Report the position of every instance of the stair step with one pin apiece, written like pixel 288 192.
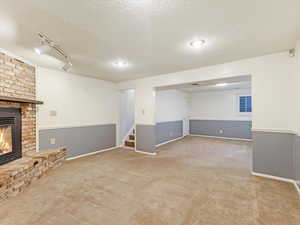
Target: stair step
pixel 130 144
pixel 131 137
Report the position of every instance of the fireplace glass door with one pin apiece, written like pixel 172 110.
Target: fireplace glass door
pixel 10 135
pixel 6 139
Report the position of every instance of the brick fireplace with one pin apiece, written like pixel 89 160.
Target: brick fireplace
pixel 18 81
pixel 21 163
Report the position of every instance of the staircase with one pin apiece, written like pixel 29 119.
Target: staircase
pixel 130 142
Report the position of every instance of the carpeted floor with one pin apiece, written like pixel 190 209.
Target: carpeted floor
pixel 192 181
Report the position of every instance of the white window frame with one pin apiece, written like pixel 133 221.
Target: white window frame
pixel 238 105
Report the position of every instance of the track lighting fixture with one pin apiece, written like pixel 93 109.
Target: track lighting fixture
pixel 292 52
pixel 47 44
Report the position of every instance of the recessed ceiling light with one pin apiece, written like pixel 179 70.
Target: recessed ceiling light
pixel 197 43
pixel 221 85
pixel 42 49
pixel 120 64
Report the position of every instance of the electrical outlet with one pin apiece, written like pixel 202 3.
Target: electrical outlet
pixel 221 131
pixel 52 141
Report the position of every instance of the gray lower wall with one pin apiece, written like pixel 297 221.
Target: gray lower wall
pixel 297 159
pixel 145 138
pixel 167 131
pixel 230 128
pixel 273 153
pixel 79 140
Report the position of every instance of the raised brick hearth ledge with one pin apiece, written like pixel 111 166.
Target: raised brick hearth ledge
pixel 17 175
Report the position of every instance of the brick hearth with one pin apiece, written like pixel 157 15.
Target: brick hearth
pixel 17 175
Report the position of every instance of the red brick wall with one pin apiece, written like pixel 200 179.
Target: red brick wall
pixel 17 79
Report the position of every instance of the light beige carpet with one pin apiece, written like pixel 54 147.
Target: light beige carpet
pixel 190 182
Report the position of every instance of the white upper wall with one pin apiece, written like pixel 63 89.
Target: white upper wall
pixel 217 105
pixel 171 105
pixel 144 104
pixel 273 87
pixel 76 100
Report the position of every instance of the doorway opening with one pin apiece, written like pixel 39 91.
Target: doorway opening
pixel 219 108
pixel 127 119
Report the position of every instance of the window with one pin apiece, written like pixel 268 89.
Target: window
pixel 245 104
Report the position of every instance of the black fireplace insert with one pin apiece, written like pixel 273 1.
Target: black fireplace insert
pixel 10 135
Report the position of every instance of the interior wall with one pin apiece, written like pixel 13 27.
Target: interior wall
pixel 171 105
pixel 79 112
pixel 171 114
pixel 296 156
pixel 76 100
pixel 297 118
pixel 210 113
pixel 144 103
pixel 144 118
pixel 217 105
pixel 127 99
pixel 215 113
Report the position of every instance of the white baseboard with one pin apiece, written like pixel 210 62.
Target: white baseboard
pixel 146 153
pixel 297 187
pixel 93 153
pixel 272 177
pixel 226 138
pixel 277 178
pixel 176 139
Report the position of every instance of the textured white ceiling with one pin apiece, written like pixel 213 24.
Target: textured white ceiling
pixel 152 35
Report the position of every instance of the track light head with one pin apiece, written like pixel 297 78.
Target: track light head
pixel 292 52
pixel 67 66
pixel 42 49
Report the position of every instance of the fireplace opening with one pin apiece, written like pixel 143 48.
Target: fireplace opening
pixel 10 135
pixel 5 139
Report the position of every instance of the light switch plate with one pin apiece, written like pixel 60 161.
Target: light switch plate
pixel 53 113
